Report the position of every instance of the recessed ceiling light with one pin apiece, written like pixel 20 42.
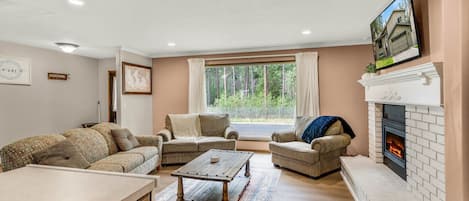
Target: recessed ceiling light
pixel 67 47
pixel 76 2
pixel 171 44
pixel 306 32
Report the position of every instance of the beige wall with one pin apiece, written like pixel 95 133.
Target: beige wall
pixel 105 65
pixel 48 106
pixel 134 111
pixel 340 94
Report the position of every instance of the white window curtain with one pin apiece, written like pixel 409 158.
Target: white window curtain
pixel 197 98
pixel 307 84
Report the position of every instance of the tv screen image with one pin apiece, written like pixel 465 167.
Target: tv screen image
pixel 395 35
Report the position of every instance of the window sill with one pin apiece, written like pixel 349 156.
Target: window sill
pixel 255 138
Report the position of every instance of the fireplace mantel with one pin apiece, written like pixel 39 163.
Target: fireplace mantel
pixel 418 85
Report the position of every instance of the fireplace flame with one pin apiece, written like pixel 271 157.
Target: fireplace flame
pixel 396 150
pixel 395 145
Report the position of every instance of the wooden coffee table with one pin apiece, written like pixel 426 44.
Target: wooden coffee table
pixel 225 170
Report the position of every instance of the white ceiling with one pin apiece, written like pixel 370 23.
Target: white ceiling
pixel 100 27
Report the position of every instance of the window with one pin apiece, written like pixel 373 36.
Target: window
pixel 260 98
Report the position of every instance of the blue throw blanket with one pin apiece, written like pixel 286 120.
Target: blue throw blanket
pixel 318 127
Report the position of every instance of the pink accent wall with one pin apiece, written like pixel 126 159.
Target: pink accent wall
pixel 340 93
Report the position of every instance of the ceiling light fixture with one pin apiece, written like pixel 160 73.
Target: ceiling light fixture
pixel 171 44
pixel 76 2
pixel 67 47
pixel 306 32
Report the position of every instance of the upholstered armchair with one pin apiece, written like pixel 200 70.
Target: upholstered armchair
pixel 314 159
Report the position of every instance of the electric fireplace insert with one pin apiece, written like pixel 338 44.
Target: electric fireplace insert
pixel 394 147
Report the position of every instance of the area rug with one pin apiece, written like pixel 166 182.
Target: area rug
pixel 260 188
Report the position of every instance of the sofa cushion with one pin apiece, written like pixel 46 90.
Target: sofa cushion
pixel 89 142
pixel 124 139
pixel 214 124
pixel 19 153
pixel 185 125
pixel 180 145
pixel 301 124
pixel 105 130
pixel 63 154
pixel 207 143
pixel 108 167
pixel 128 161
pixel 147 152
pixel 296 150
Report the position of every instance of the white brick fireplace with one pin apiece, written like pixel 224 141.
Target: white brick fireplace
pixel 419 90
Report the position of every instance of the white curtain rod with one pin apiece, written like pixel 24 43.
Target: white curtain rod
pixel 250 57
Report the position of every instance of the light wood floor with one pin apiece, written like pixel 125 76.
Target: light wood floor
pixel 292 186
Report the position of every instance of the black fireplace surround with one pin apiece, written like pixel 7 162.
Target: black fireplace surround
pixel 394 149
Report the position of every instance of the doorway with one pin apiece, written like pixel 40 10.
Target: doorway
pixel 112 96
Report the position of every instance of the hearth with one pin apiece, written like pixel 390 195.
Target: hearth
pixel 394 146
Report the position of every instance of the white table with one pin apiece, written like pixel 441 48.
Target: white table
pixel 47 183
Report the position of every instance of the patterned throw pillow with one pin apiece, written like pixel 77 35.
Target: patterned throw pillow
pixel 63 154
pixel 124 139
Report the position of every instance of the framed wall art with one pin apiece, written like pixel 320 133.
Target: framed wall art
pixel 136 79
pixel 15 70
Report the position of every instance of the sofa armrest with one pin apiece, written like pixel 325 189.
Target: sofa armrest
pixel 330 143
pixel 284 136
pixel 165 134
pixel 231 133
pixel 151 140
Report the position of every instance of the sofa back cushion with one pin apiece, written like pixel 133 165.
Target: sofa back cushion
pixel 185 125
pixel 19 153
pixel 89 142
pixel 214 124
pixel 105 130
pixel 62 154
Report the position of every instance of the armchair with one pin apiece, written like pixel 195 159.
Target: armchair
pixel 319 157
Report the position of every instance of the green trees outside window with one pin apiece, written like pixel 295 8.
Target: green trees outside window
pixel 253 92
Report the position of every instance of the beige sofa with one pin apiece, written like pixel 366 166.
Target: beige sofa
pixel 216 133
pixel 319 157
pixel 95 144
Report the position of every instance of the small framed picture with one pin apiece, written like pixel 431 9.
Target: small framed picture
pixel 57 76
pixel 136 79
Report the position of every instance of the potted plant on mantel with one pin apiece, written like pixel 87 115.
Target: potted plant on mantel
pixel 370 71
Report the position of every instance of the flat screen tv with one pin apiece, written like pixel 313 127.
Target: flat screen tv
pixel 395 35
